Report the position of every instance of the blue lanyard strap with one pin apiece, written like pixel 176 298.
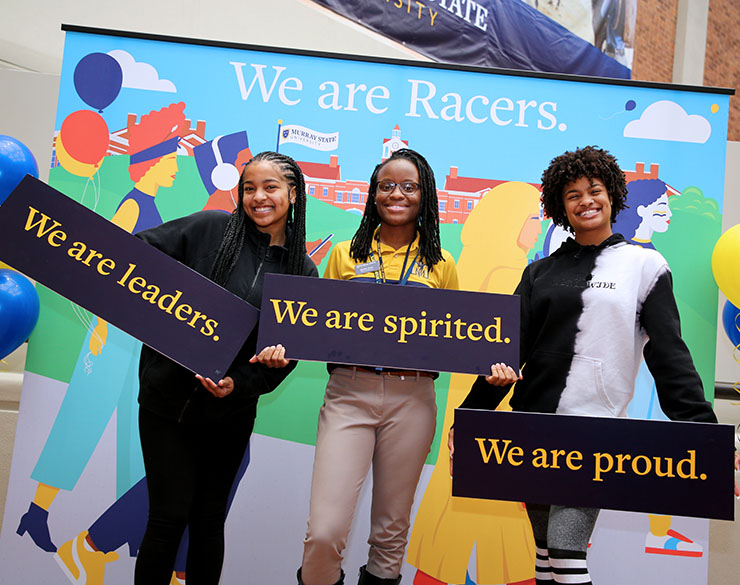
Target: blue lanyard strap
pixel 405 274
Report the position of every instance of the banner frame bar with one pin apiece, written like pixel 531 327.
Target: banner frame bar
pixel 398 62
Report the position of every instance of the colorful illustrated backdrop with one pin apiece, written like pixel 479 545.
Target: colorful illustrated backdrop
pixel 149 129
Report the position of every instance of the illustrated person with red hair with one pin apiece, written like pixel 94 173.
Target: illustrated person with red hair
pixel 104 378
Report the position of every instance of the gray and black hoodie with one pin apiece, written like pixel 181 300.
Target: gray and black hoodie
pixel 588 315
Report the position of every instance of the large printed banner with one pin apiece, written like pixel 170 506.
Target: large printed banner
pixel 559 37
pixel 620 464
pixel 151 128
pixel 370 324
pixel 139 289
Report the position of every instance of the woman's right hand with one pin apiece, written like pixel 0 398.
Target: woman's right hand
pixel 503 375
pixel 272 356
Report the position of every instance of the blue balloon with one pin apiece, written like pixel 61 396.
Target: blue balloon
pixel 16 161
pixel 98 78
pixel 731 322
pixel 19 310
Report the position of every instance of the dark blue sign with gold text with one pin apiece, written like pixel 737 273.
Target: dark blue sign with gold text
pixel 115 275
pixel 389 325
pixel 659 467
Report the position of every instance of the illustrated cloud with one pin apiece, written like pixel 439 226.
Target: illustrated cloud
pixel 666 120
pixel 140 75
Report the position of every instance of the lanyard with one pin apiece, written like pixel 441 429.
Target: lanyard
pixel 405 274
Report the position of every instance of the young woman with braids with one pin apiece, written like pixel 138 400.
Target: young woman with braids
pixel 376 415
pixel 589 312
pixel 194 432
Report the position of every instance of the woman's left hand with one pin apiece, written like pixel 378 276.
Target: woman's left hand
pixel 272 356
pixel 223 388
pixel 503 375
pixel 737 468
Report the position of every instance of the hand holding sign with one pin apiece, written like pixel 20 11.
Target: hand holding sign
pixel 272 356
pixel 223 388
pixel 503 375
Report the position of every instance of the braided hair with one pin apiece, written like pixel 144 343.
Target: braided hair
pixel 590 162
pixel 233 238
pixel 427 222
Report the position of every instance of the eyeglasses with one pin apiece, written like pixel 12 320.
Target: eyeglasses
pixel 407 187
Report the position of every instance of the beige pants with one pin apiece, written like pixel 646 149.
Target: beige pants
pixel 366 417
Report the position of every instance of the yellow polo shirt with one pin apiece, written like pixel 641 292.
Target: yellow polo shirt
pixel 341 266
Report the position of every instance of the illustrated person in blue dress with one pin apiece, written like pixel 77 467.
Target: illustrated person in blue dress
pixel 104 380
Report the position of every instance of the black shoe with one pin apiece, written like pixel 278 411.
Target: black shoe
pixel 340 582
pixel 367 578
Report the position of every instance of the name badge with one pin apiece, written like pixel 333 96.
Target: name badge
pixel 373 266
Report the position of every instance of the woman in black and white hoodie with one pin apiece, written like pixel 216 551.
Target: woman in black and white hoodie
pixel 589 312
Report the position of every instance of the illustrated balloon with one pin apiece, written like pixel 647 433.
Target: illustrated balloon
pixel 16 161
pixel 98 78
pixel 85 135
pixel 73 166
pixel 726 264
pixel 731 322
pixel 19 310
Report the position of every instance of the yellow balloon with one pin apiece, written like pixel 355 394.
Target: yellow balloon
pixel 726 264
pixel 74 166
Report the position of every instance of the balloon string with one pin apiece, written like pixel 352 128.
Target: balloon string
pixel 83 316
pixel 96 190
pixel 84 191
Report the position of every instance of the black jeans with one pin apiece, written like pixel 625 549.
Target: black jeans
pixel 190 470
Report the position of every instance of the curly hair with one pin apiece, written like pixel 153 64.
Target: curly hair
pixel 233 239
pixel 154 127
pixel 427 222
pixel 590 162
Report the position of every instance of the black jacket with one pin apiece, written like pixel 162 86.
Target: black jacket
pixel 167 388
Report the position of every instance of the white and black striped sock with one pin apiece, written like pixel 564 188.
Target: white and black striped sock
pixel 542 572
pixel 569 567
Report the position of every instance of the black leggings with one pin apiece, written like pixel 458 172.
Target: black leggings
pixel 190 470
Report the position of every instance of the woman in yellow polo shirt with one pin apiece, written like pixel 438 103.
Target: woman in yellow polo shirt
pixel 375 415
